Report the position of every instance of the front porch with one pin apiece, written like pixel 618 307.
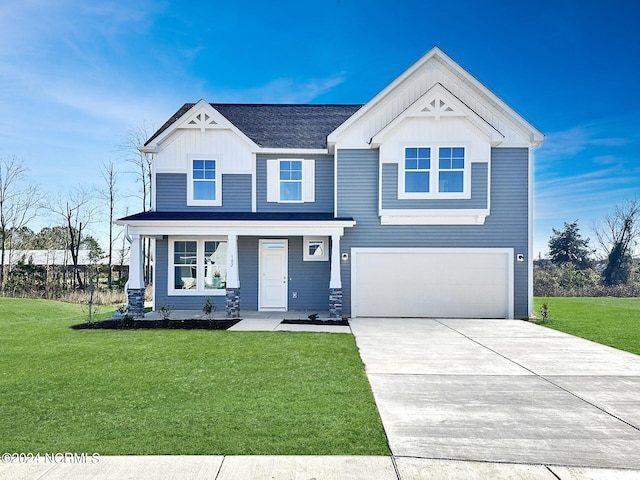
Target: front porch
pixel 283 261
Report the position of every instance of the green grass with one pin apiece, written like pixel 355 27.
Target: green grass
pixel 178 392
pixel 610 321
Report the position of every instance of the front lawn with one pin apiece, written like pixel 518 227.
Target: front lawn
pixel 610 321
pixel 178 392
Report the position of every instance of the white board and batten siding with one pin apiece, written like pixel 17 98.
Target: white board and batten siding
pixel 234 153
pixel 432 282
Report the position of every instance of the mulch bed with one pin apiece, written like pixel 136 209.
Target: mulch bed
pixel 305 321
pixel 189 324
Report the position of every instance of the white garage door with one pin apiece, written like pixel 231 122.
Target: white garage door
pixel 428 282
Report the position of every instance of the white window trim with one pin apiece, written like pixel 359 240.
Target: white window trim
pixel 315 258
pixel 434 174
pixel 200 267
pixel 308 180
pixel 218 180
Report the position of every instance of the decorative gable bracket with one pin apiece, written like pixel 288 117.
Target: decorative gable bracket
pixel 436 103
pixel 201 120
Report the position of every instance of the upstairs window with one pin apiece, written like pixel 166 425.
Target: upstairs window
pixel 290 180
pixel 417 169
pixel 424 177
pixel 204 182
pixel 204 179
pixel 451 169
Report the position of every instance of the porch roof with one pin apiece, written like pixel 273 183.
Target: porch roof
pixel 191 216
pixel 240 223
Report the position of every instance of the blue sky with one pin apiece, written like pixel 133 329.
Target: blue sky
pixel 76 76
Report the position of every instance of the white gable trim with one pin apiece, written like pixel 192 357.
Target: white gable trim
pixel 446 105
pixel 437 55
pixel 204 117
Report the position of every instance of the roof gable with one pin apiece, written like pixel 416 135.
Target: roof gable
pixel 436 103
pixel 400 95
pixel 286 126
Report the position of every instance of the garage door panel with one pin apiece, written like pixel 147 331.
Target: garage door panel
pixel 432 283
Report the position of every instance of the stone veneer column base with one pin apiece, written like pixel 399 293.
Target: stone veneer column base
pixel 233 302
pixel 335 303
pixel 135 302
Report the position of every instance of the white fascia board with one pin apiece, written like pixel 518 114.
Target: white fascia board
pixel 496 137
pixel 247 228
pixel 433 217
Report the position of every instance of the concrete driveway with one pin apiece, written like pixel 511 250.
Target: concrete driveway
pixel 504 391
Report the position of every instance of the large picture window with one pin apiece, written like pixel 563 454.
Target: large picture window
pixel 198 266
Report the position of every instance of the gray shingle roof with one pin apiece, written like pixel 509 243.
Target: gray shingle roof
pixel 279 125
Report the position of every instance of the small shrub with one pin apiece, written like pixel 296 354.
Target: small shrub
pixel 165 311
pixel 313 317
pixel 208 308
pixel 544 312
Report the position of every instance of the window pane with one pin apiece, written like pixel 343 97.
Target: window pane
pixel 215 265
pixel 198 164
pixel 424 153
pixel 204 190
pixel 410 164
pixel 184 253
pixel 458 152
pixel 316 248
pixel 416 182
pixel 451 181
pixel 290 191
pixel 444 163
pixel 410 153
pixel 458 163
pixel 424 164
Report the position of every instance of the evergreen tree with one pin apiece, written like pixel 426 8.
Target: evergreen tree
pixel 568 246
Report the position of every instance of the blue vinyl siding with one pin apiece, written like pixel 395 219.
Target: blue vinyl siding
pixel 505 227
pixel 479 173
pixel 309 279
pixel 171 193
pixel 323 186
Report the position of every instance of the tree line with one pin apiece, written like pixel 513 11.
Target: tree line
pixel 73 216
pixel 575 268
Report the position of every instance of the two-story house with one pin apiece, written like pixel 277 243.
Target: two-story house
pixel 416 204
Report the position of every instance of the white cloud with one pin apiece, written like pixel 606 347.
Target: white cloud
pixel 284 90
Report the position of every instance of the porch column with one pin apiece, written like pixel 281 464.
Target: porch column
pixel 135 284
pixel 233 277
pixel 335 284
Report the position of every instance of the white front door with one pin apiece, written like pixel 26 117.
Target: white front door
pixel 273 275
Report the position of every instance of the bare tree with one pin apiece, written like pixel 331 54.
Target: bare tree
pixel 135 138
pixel 18 203
pixel 77 210
pixel 141 161
pixel 617 236
pixel 109 175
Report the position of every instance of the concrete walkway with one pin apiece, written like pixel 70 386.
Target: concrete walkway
pixel 459 399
